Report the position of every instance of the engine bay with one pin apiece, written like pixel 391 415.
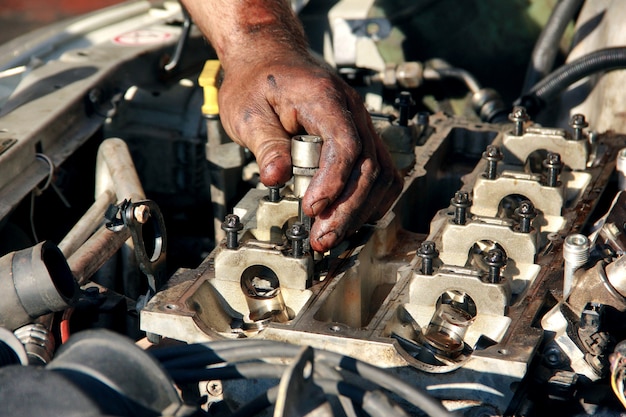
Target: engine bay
pixel 146 270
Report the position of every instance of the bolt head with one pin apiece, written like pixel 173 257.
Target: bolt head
pixel 231 223
pixel 527 209
pixel 428 249
pixel 405 99
pixel 493 153
pixel 553 160
pixel 141 213
pixel 461 199
pixel 495 257
pixel 519 114
pixel 214 388
pixel 578 121
pixel 297 231
pixel 553 356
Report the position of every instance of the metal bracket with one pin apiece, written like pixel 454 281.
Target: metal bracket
pixel 150 254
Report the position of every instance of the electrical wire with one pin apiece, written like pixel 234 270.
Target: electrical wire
pixel 250 370
pixel 38 190
pixel 257 404
pixel 64 326
pixel 239 350
pixel 375 403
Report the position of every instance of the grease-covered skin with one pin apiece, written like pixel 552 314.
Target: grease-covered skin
pixel 273 89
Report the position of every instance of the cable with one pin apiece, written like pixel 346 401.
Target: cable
pixel 374 403
pixel 239 351
pixel 37 192
pixel 250 370
pixel 234 352
pixel 64 326
pixel 258 404
pixel 547 45
pixel 607 59
pixel 185 354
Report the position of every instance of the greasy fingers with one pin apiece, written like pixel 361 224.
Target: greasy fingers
pixel 263 106
pixel 370 191
pixel 364 200
pixel 338 123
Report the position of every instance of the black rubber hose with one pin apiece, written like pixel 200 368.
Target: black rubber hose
pixel 374 403
pixel 242 351
pixel 607 59
pixel 249 370
pixel 258 404
pixel 547 46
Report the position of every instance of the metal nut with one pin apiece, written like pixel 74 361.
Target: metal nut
pixel 141 213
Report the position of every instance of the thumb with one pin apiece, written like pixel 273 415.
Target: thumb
pixel 272 149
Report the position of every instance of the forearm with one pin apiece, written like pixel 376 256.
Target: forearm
pixel 242 30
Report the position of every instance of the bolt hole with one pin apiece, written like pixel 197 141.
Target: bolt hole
pixel 335 328
pixel 503 351
pixel 171 306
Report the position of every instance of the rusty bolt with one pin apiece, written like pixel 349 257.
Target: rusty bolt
pixel 526 212
pixel 578 123
pixel 461 202
pixel 427 251
pixel 231 225
pixel 553 166
pixel 519 116
pixel 493 155
pixel 141 213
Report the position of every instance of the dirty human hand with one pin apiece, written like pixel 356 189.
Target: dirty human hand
pixel 273 89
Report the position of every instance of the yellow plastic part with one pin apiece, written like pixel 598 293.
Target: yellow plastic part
pixel 208 82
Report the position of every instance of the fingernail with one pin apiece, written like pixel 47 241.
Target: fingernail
pixel 325 242
pixel 319 206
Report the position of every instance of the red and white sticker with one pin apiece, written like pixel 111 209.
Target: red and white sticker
pixel 142 37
